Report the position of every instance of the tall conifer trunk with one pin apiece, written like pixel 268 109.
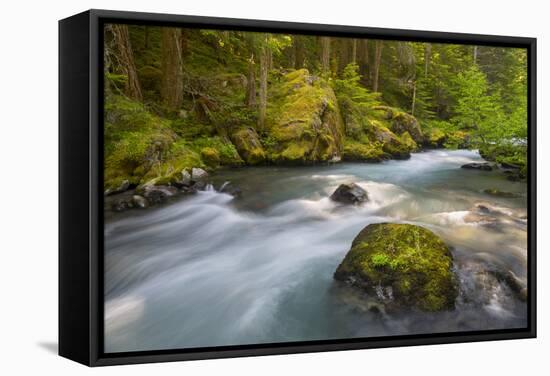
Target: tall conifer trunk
pixel 376 66
pixel 172 73
pixel 125 54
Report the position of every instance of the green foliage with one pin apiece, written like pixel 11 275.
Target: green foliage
pixel 357 103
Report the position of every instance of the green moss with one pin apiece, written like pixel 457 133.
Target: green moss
pixel 435 138
pixel 363 150
pixel 210 156
pixel 403 122
pixel 410 259
pixel 304 122
pixel 407 140
pixel 248 145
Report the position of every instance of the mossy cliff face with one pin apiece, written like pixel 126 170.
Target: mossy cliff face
pixel 304 122
pixel 404 264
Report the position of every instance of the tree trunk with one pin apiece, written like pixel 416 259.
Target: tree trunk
pixel 299 56
pixel 263 87
pixel 172 73
pixel 325 55
pixel 251 83
pixel 413 98
pixel 354 51
pixel 363 59
pixel 427 57
pixel 125 54
pixel 146 38
pixel 342 53
pixel 475 55
pixel 376 66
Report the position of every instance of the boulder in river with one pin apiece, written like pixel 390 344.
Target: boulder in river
pixel 484 166
pixel 157 194
pixel 349 193
pixel 139 201
pixel 403 265
pixel 198 174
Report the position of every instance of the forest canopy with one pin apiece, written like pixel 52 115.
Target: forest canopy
pixel 182 98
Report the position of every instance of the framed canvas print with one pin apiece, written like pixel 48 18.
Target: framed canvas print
pixel 238 187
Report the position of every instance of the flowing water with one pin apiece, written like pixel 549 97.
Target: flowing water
pixel 212 270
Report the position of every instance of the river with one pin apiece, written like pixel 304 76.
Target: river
pixel 213 270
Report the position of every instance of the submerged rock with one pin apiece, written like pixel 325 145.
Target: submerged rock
pixel 157 194
pixel 230 189
pixel 403 265
pixel 498 193
pixel 140 201
pixel 484 166
pixel 349 194
pixel 122 204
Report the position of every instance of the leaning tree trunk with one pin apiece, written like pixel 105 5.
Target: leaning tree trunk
pixel 125 54
pixel 264 61
pixel 325 55
pixel 172 73
pixel 251 83
pixel 376 66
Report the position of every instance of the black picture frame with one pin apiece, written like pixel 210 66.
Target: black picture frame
pixel 81 166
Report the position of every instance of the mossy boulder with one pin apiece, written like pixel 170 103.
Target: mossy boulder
pixel 248 145
pixel 363 151
pixel 402 122
pixel 404 265
pixel 408 141
pixel 210 156
pixel 435 138
pixel 391 143
pixel 304 120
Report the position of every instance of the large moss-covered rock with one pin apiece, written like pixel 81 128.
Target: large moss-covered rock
pixel 402 264
pixel 391 143
pixel 304 120
pixel 435 138
pixel 363 151
pixel 248 145
pixel 403 122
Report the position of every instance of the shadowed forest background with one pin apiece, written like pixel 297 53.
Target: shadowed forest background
pixel 182 98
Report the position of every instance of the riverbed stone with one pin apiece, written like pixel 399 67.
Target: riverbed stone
pixel 157 194
pixel 350 193
pixel 484 166
pixel 140 201
pixel 404 265
pixel 198 174
pixel 498 193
